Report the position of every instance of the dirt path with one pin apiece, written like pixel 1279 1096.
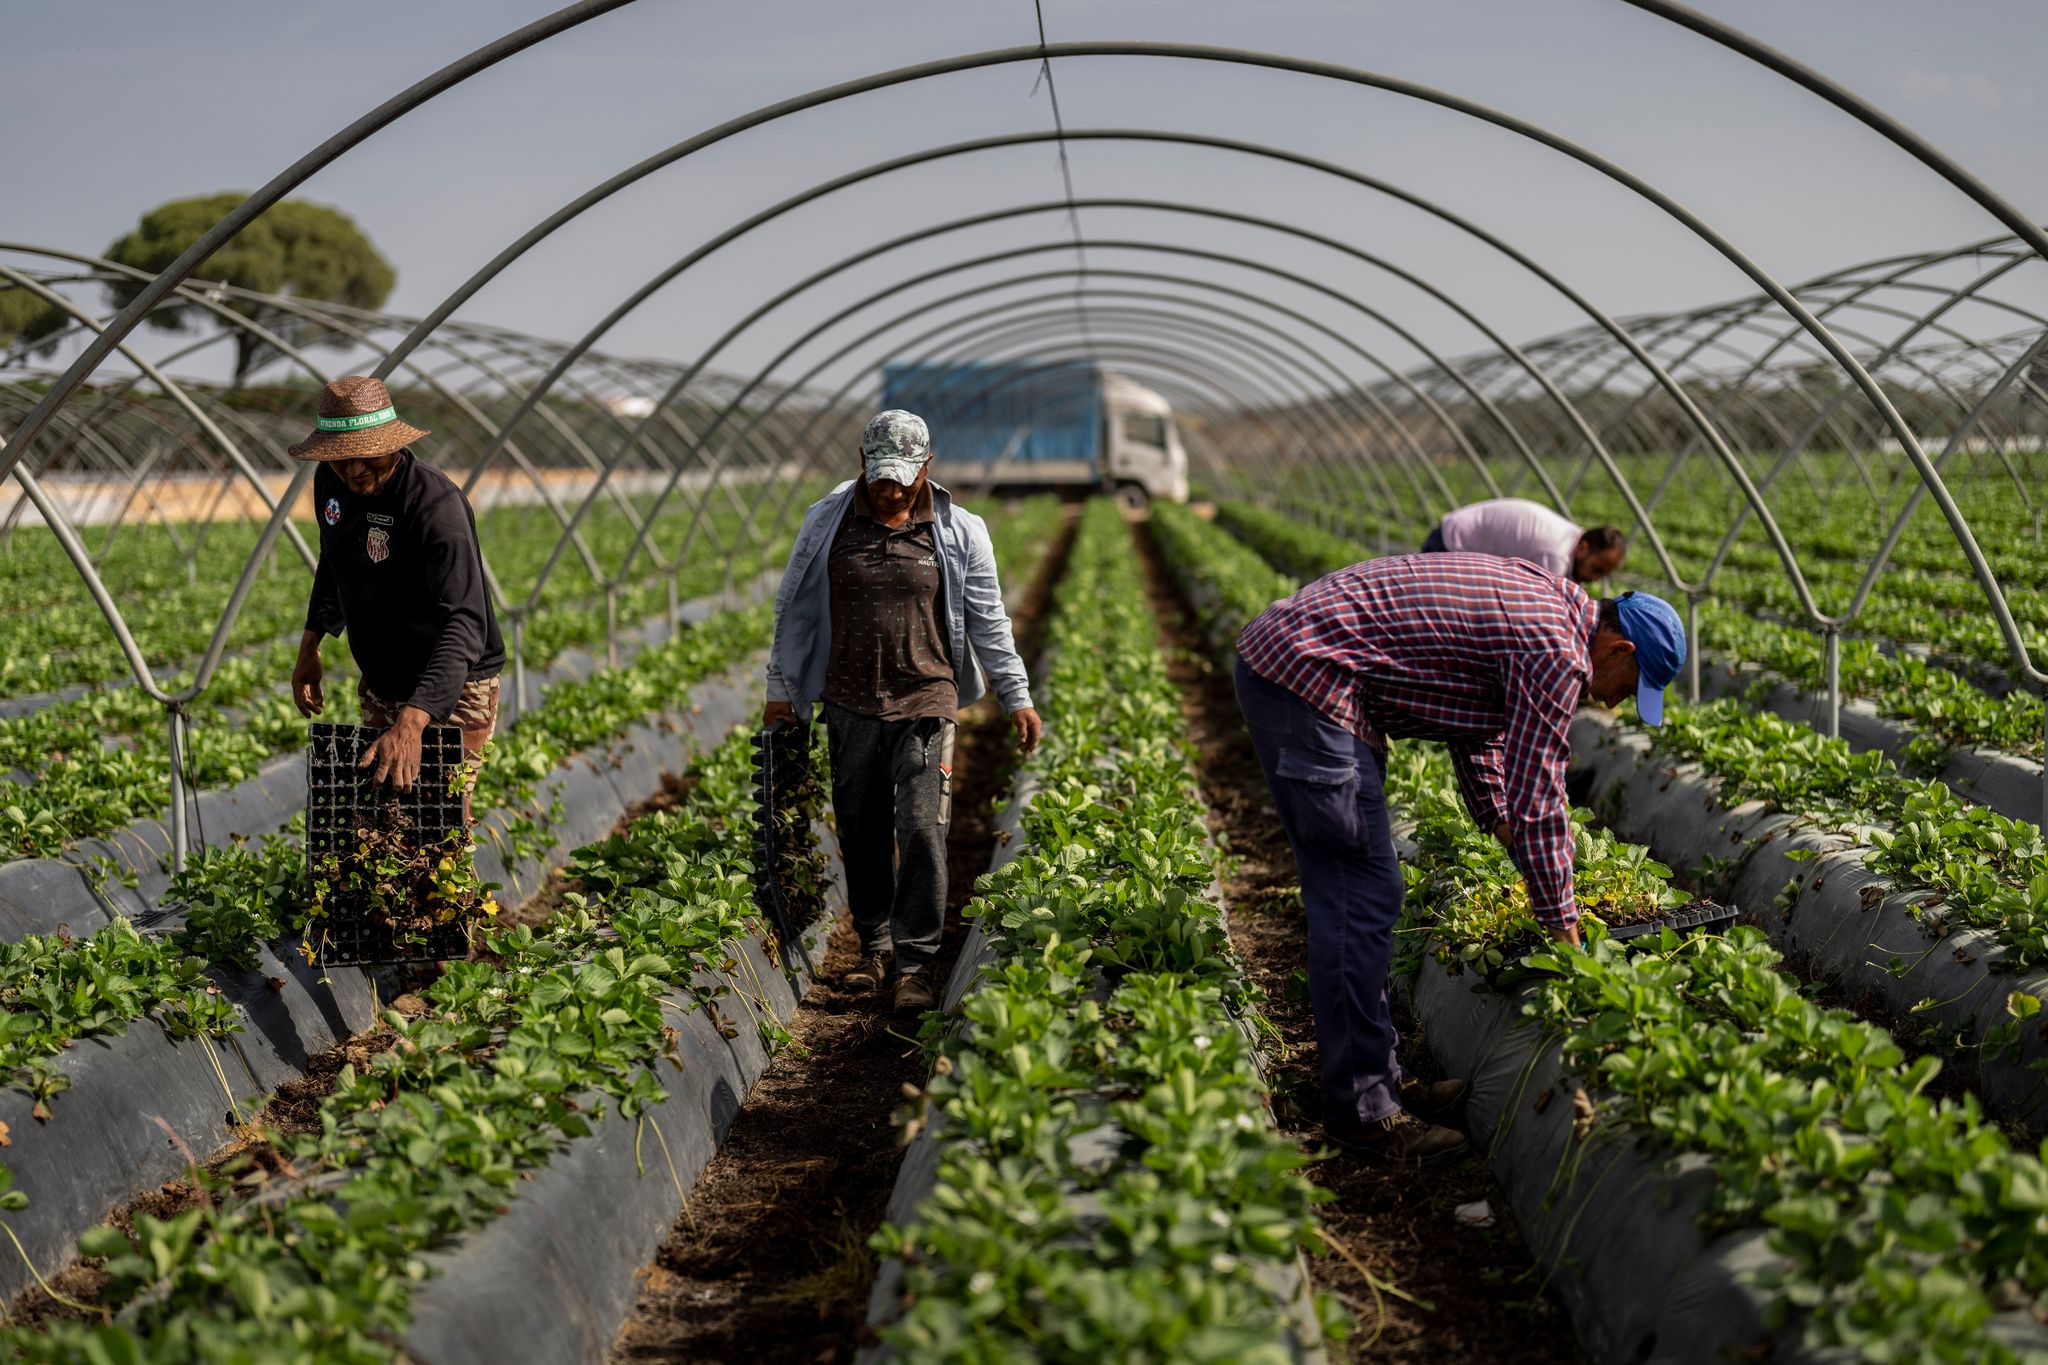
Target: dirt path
pixel 770 1260
pixel 1483 1298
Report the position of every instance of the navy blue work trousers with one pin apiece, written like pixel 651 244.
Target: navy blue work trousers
pixel 1330 790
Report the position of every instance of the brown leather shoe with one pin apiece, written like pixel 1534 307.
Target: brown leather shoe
pixel 868 974
pixel 1403 1140
pixel 1432 1100
pixel 913 993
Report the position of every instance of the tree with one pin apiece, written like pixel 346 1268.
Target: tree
pixel 25 319
pixel 308 251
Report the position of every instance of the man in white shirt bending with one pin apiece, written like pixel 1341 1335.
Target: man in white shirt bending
pixel 1515 528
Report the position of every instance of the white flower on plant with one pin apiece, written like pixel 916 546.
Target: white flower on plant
pixel 1223 1263
pixel 1219 1218
pixel 1245 1122
pixel 982 1281
pixel 1201 1042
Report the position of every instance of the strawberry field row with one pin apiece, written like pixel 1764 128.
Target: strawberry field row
pixel 515 1061
pixel 1602 1077
pixel 1108 1181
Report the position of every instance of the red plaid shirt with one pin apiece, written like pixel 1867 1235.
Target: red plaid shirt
pixel 1489 655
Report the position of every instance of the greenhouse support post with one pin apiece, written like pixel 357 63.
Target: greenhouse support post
pixel 675 610
pixel 519 665
pixel 1692 648
pixel 611 625
pixel 1834 681
pixel 180 839
pixel 2044 759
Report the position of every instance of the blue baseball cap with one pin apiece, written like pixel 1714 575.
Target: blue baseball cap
pixel 1654 629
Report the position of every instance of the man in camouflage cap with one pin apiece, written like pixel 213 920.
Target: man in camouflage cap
pixel 891 614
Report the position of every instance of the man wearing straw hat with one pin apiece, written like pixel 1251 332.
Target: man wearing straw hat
pixel 401 573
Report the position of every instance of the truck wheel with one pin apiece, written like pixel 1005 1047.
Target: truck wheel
pixel 1132 497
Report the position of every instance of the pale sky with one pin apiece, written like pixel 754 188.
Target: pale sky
pixel 108 107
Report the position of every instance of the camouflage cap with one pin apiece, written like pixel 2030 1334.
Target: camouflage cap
pixel 895 446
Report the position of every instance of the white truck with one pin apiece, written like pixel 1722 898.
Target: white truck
pixel 1014 427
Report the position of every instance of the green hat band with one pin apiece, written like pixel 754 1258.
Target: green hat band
pixel 359 421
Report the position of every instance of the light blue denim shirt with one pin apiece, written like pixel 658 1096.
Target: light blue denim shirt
pixel 969 592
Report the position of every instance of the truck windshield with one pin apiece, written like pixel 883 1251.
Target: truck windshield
pixel 1145 430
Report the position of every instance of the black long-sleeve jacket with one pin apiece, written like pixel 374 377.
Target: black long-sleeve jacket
pixel 401 573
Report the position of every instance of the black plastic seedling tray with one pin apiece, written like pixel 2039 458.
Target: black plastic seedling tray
pixel 1705 915
pixel 782 762
pixel 340 798
pixel 1697 917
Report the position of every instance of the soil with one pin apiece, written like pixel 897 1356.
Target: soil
pixel 770 1261
pixel 1458 1292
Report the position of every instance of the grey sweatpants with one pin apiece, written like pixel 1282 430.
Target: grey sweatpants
pixel 892 790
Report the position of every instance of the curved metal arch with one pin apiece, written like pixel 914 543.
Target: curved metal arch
pixel 924 277
pixel 1252 356
pixel 875 332
pixel 74 549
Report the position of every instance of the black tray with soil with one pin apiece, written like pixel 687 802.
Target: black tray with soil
pixel 1696 916
pixel 789 867
pixel 390 867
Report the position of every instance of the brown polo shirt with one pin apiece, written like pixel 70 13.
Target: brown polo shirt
pixel 890 659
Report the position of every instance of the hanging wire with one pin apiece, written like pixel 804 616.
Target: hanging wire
pixel 1066 174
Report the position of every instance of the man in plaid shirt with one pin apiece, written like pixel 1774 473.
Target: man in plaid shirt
pixel 1491 656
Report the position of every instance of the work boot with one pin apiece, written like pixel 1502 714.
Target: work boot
pixel 1432 1100
pixel 868 974
pixel 1402 1140
pixel 913 993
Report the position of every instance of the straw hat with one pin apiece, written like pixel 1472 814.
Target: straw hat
pixel 356 422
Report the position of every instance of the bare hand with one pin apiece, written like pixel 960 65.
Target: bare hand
pixel 306 693
pixel 396 752
pixel 1568 933
pixel 778 713
pixel 1029 728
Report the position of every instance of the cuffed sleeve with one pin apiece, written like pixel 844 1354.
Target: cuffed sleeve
pixel 1541 691
pixel 323 610
pixel 1478 770
pixel 454 569
pixel 988 622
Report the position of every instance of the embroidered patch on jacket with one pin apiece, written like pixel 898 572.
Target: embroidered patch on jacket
pixel 333 512
pixel 379 545
pixel 378 518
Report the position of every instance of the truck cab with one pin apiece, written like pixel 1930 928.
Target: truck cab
pixel 1142 456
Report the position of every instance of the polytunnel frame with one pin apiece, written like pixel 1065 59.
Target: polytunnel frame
pixel 1857 291
pixel 1044 52
pixel 347 324
pixel 353 326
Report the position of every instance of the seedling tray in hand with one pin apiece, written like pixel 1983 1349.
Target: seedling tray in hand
pixel 1696 917
pixel 1701 916
pixel 342 798
pixel 782 770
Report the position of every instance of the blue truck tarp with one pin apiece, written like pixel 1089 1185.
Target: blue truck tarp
pixel 982 413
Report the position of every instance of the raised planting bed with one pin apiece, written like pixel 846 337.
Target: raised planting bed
pixel 234 1011
pixel 1805 876
pixel 2010 784
pixel 476 1192
pixel 1095 1173
pixel 1709 1165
